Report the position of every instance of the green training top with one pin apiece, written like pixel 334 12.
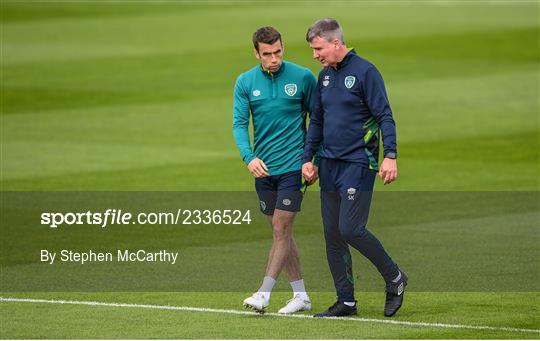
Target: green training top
pixel 278 103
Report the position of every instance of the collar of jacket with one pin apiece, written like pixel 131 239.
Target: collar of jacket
pixel 269 74
pixel 346 59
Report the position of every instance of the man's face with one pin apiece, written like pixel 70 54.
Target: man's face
pixel 270 55
pixel 324 51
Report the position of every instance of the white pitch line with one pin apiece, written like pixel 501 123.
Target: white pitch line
pixel 241 312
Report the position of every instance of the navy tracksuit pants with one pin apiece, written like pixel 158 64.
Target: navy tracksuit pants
pixel 346 189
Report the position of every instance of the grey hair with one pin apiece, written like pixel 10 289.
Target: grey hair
pixel 326 28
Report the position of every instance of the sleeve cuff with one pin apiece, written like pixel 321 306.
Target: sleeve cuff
pixel 391 155
pixel 249 158
pixel 306 159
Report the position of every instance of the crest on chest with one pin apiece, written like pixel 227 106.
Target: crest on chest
pixel 290 89
pixel 349 81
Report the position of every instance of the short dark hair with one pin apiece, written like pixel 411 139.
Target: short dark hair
pixel 327 28
pixel 265 35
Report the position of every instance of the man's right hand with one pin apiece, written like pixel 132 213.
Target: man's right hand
pixel 257 168
pixel 309 172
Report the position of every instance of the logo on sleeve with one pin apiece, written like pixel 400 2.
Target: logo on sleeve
pixel 349 81
pixel 256 93
pixel 290 89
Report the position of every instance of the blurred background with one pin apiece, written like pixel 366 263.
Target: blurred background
pixel 138 95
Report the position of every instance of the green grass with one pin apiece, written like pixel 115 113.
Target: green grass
pixel 470 259
pixel 126 97
pixel 138 97
pixel 58 321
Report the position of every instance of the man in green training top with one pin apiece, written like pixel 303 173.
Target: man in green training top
pixel 277 94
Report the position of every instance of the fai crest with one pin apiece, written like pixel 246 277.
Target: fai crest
pixel 256 93
pixel 290 89
pixel 349 81
pixel 350 193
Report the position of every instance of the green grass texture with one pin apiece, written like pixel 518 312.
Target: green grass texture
pixel 96 322
pixel 138 96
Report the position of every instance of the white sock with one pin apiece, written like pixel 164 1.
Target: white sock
pixel 267 286
pixel 299 289
pixel 350 304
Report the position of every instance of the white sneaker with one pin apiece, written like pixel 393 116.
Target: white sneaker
pixel 256 302
pixel 296 304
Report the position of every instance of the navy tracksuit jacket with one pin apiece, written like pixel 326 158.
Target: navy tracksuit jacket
pixel 350 106
pixel 350 109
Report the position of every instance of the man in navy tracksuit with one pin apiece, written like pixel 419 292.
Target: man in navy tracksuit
pixel 350 108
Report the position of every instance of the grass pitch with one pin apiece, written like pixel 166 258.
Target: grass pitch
pixel 124 97
pixel 138 96
pixel 423 312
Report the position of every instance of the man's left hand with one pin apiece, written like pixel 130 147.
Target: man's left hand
pixel 388 170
